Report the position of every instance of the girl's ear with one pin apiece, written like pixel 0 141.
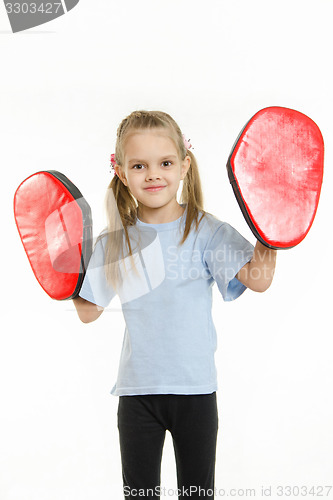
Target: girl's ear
pixel 120 174
pixel 185 166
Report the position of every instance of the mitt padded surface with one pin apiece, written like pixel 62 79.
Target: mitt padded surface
pixel 54 231
pixel 276 170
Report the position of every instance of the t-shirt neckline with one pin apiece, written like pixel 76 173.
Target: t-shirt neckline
pixel 164 226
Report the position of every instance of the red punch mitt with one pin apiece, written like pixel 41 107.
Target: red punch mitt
pixel 55 226
pixel 276 171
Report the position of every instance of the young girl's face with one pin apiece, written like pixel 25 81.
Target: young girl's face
pixel 152 168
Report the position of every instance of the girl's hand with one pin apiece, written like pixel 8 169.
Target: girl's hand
pixel 258 273
pixel 87 311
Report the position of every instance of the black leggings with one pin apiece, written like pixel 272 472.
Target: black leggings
pixel 193 423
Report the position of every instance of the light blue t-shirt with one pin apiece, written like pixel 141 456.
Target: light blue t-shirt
pixel 170 338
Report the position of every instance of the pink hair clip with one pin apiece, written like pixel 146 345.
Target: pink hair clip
pixel 113 162
pixel 187 143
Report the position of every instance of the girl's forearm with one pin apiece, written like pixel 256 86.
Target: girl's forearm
pixel 258 273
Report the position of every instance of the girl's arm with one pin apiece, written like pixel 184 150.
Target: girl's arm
pixel 87 311
pixel 258 273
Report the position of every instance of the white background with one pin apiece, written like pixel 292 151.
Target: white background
pixel 65 87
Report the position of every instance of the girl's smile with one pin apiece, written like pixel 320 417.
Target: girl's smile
pixel 153 189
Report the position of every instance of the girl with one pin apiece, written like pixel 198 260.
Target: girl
pixel 162 258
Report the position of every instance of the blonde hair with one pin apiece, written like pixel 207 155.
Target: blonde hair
pixel 121 206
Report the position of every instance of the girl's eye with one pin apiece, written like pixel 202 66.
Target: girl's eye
pixel 139 166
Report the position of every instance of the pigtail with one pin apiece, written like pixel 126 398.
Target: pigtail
pixel 192 195
pixel 121 213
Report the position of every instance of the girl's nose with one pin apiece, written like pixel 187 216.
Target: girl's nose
pixel 153 174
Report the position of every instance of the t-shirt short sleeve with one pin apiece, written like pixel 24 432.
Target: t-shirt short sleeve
pixel 225 254
pixel 95 287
